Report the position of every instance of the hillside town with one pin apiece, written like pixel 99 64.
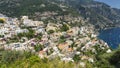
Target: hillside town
pixel 63 39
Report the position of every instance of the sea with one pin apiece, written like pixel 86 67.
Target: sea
pixel 111 36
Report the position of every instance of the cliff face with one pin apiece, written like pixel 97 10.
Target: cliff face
pixel 100 14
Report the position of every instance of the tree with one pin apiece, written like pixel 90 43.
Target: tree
pixel 64 27
pixel 76 58
pixel 38 47
pixel 50 31
pixel 2 21
pixel 115 58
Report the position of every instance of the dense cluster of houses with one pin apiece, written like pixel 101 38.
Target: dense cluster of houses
pixel 64 44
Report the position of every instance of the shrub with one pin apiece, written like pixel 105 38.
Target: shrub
pixel 38 47
pixel 76 58
pixel 50 31
pixel 2 20
pixel 115 58
pixel 64 27
pixel 29 35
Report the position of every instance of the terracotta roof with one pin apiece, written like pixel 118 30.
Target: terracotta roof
pixel 41 52
pixel 70 49
pixel 63 45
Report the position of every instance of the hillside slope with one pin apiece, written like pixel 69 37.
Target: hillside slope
pixel 99 14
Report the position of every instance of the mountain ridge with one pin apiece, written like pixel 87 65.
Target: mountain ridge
pixel 101 15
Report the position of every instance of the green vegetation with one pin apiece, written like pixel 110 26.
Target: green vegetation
pixel 13 59
pixel 33 8
pixel 76 58
pixel 2 21
pixel 14 39
pixel 1 36
pixel 38 47
pixel 9 57
pixel 50 31
pixel 29 34
pixel 27 7
pixel 39 36
pixel 64 27
pixel 115 58
pixel 62 39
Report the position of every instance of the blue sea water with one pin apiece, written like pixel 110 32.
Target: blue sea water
pixel 111 36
